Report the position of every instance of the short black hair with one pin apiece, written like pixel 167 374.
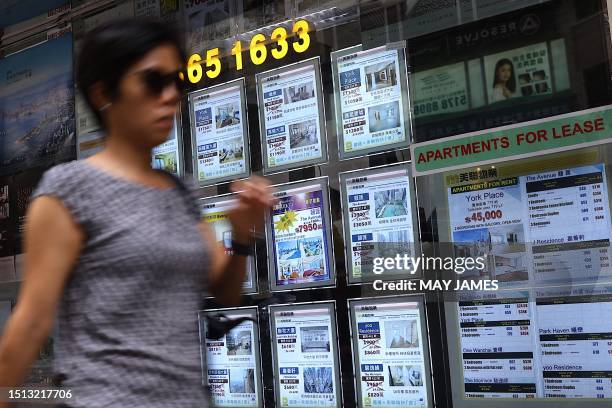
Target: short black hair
pixel 110 49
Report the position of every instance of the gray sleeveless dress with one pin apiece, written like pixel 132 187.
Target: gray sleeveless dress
pixel 127 324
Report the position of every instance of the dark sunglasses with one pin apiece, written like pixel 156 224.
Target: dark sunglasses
pixel 156 81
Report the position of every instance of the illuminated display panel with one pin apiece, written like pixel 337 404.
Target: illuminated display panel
pixel 215 211
pixel 390 352
pixel 168 156
pixel 219 133
pixel 371 99
pixel 563 214
pixel 291 116
pixel 304 347
pixel 546 344
pixel 299 237
pixel 231 364
pixel 379 216
pixel 37 105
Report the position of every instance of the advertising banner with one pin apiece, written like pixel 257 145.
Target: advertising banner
pixel 37 105
pixel 558 133
pixel 518 73
pixel 440 91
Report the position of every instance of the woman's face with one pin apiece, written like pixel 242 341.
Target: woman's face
pixel 145 115
pixel 504 73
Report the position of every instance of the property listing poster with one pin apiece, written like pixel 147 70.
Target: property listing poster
pixel 575 340
pixel 370 100
pixel 390 357
pixel 232 364
pixel 378 217
pixel 167 155
pixel 522 72
pixel 497 335
pixel 219 133
pixel 554 345
pixel 37 105
pixel 215 212
pixel 569 228
pixel 487 220
pixel 306 363
pixel 552 226
pixel 299 236
pixel 292 116
pixel 440 91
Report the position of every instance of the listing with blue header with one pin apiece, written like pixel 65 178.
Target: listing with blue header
pixel 306 363
pixel 219 133
pixel 390 358
pixel 292 117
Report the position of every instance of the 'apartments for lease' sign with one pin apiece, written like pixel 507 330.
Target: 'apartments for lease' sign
pixel 554 134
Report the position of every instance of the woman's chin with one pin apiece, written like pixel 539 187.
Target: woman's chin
pixel 160 134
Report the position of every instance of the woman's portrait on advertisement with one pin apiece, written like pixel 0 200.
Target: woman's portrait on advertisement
pixel 504 82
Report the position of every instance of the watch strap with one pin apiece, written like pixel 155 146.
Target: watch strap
pixel 241 249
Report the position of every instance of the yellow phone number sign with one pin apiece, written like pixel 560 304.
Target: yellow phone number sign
pixel 257 51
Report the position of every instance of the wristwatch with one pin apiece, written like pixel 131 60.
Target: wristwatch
pixel 241 249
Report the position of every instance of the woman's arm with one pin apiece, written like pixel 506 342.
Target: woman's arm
pixel 228 272
pixel 52 243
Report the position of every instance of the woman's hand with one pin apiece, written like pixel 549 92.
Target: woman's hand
pixel 254 199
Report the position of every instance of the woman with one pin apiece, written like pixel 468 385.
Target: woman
pixel 504 84
pixel 117 245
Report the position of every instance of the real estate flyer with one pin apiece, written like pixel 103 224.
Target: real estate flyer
pixel 299 226
pixel 497 347
pixel 304 342
pixel 232 363
pixel 167 156
pixel 378 217
pixel 390 360
pixel 370 98
pixel 291 115
pixel 215 212
pixel 487 220
pixel 219 133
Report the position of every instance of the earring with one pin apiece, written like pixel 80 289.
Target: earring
pixel 105 107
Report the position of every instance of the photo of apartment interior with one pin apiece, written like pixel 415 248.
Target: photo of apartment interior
pixel 384 117
pixel 401 334
pixel 303 134
pixel 380 76
pixel 314 339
